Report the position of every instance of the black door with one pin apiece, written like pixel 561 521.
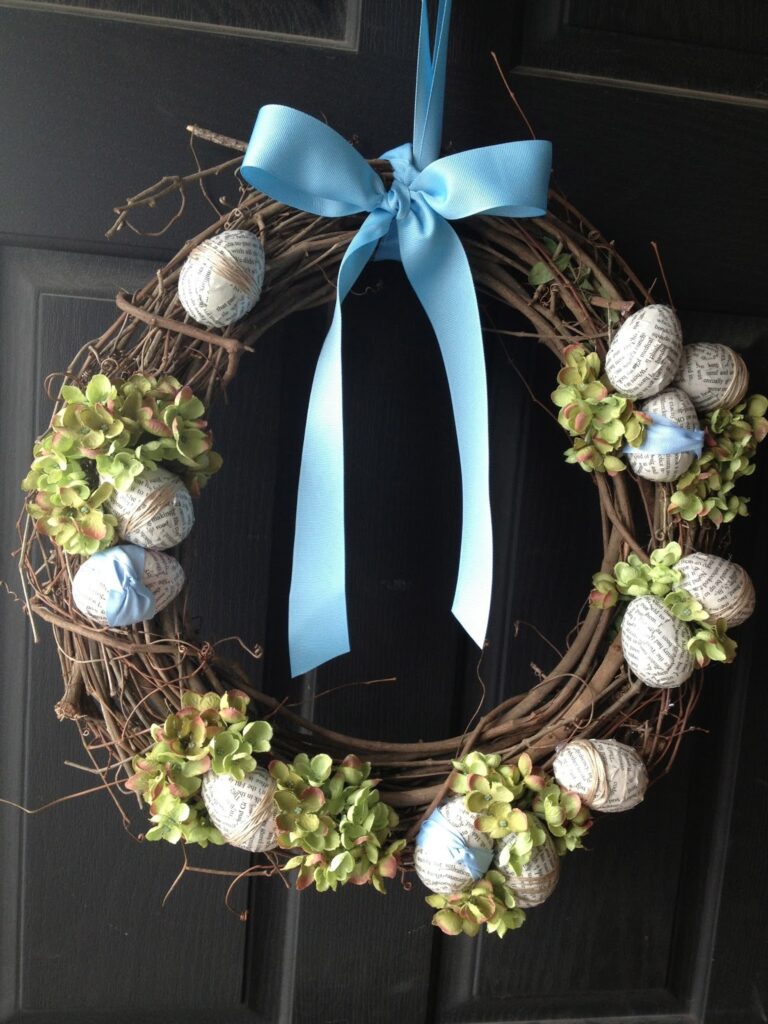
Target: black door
pixel 657 113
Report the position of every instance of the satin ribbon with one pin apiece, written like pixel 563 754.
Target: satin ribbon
pixel 665 437
pixel 302 162
pixel 438 837
pixel 120 569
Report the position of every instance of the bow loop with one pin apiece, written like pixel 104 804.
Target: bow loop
pixel 508 180
pixel 301 162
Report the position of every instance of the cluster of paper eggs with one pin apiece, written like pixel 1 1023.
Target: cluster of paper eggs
pixel 607 776
pixel 155 514
pixel 442 871
pixel 647 360
pixel 655 642
pixel 219 283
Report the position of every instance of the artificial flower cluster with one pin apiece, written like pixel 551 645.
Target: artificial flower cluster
pixel 100 441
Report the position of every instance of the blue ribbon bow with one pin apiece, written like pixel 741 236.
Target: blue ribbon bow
pixel 302 162
pixel 120 569
pixel 665 437
pixel 439 837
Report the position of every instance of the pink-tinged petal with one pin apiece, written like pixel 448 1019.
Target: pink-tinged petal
pixel 388 866
pixel 580 421
pixel 231 715
pixel 361 879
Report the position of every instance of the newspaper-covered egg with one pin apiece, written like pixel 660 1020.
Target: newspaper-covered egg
pixel 655 643
pixel 645 352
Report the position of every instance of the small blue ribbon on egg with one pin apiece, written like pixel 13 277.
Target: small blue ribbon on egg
pixel 438 837
pixel 300 161
pixel 120 569
pixel 665 437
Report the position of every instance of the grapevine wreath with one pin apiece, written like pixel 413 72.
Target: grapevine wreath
pixel 665 430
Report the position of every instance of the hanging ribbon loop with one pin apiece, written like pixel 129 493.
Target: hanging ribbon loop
pixel 302 162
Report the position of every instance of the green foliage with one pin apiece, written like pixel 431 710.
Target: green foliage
pixel 600 421
pixel 338 821
pixel 566 818
pixel 712 643
pixel 732 437
pixel 210 732
pixel 489 902
pixel 513 798
pixel 635 578
pixel 101 439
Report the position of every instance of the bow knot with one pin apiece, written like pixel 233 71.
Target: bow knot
pixel 398 200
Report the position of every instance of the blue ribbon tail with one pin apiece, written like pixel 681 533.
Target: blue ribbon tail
pixel 317 608
pixel 436 265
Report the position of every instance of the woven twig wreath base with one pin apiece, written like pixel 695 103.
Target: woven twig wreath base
pixel 117 682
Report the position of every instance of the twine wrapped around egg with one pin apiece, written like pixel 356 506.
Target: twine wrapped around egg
pixel 243 810
pixel 713 376
pixel 538 878
pixel 724 588
pixel 222 278
pixel 607 775
pixel 156 512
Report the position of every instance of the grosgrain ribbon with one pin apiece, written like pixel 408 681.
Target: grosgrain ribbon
pixel 120 571
pixel 300 161
pixel 439 837
pixel 665 437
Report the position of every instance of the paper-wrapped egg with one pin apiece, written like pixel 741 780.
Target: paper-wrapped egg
pixel 156 512
pixel 722 587
pixel 645 352
pixel 654 643
pixel 607 775
pixel 713 376
pixel 538 878
pixel 673 405
pixel 450 853
pixel 222 278
pixel 243 810
pixel 125 585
